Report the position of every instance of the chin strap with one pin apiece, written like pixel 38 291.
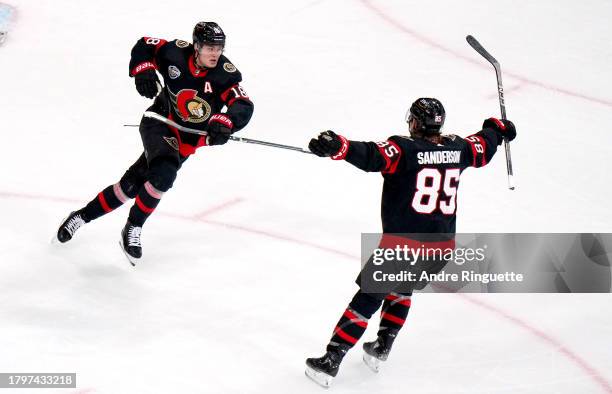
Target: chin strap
pixel 195 60
pixel 196 55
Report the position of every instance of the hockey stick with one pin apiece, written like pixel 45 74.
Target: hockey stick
pixel 502 104
pixel 156 116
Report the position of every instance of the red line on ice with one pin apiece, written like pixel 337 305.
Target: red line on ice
pixel 201 219
pixel 546 338
pixel 475 59
pixel 514 88
pixel 38 197
pixel 219 207
pixel 264 233
pixel 580 362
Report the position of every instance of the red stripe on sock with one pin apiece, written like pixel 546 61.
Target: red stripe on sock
pixel 392 318
pixel 345 336
pixel 355 319
pixel 103 202
pixel 143 207
pixel 407 302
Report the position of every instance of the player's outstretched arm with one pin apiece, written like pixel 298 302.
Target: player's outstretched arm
pixel 143 65
pixel 481 147
pixel 367 156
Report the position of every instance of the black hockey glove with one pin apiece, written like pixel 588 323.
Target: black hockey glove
pixel 147 83
pixel 329 144
pixel 503 127
pixel 219 129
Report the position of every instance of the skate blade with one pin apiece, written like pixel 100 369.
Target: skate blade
pixel 131 260
pixel 320 378
pixel 372 362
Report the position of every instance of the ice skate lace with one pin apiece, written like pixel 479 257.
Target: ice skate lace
pixel 74 224
pixel 134 236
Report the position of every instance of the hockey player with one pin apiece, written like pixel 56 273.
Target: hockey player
pixel 199 82
pixel 421 176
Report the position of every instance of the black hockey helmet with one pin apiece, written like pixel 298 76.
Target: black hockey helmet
pixel 208 33
pixel 429 113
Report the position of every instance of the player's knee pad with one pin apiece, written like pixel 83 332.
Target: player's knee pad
pixel 129 186
pixel 135 176
pixel 131 182
pixel 365 304
pixel 162 173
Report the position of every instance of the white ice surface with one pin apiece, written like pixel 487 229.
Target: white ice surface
pixel 234 300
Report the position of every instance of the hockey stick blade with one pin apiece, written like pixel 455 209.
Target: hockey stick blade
pixel 500 85
pixel 502 102
pixel 480 49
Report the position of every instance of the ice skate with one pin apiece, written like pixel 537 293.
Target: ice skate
pixel 324 369
pixel 69 227
pixel 377 351
pixel 130 243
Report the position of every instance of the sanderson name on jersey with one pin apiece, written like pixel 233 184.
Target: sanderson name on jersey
pixel 439 157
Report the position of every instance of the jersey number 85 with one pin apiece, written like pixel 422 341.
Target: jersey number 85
pixel 428 194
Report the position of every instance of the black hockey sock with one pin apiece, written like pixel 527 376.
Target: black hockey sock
pixel 353 322
pixel 394 312
pixel 106 201
pixel 146 201
pixel 349 329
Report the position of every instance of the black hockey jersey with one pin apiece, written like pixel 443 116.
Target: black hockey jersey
pixel 421 178
pixel 191 95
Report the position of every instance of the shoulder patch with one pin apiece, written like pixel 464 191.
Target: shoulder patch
pixel 173 72
pixel 182 44
pixel 229 67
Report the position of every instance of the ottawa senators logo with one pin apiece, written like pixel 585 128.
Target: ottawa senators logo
pixel 189 106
